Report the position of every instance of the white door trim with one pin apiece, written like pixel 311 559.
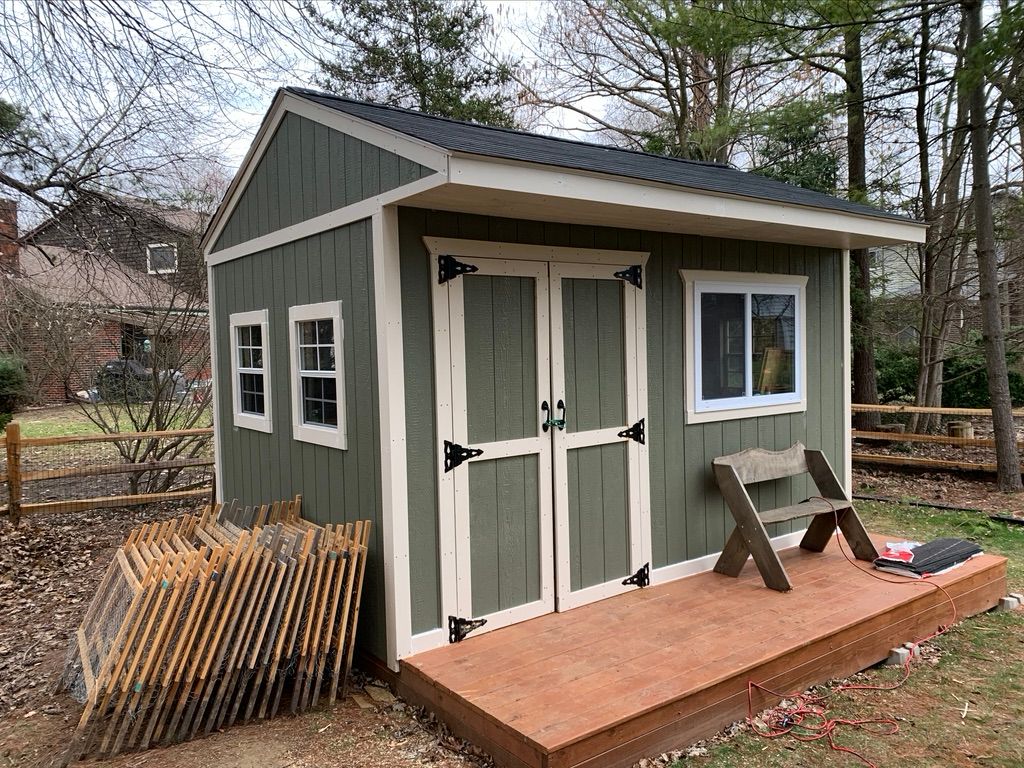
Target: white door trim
pixel 636 408
pixel 488 249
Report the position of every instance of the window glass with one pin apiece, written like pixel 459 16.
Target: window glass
pixel 319 385
pixel 723 345
pixel 773 327
pixel 163 258
pixel 249 343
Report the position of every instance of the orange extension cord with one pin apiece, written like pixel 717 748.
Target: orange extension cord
pixel 808 718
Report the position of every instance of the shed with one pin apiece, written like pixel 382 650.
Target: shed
pixel 517 354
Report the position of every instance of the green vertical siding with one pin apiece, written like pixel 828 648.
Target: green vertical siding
pixel 336 485
pixel 688 516
pixel 308 170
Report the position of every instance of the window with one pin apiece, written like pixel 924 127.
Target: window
pixel 250 370
pixel 318 381
pixel 745 344
pixel 161 258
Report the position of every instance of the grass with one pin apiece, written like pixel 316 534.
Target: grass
pixel 978 664
pixel 72 420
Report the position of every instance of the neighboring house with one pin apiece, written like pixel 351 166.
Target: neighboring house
pixel 106 279
pixel 518 355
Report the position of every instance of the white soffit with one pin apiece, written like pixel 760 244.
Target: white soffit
pixel 519 190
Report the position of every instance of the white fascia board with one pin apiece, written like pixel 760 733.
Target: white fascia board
pixel 421 152
pixel 525 178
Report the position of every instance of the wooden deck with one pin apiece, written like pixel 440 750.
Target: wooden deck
pixel 655 669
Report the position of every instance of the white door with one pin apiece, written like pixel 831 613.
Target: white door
pixel 493 373
pixel 598 370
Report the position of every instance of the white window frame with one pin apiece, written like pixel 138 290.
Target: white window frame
pixel 697 282
pixel 331 437
pixel 243 419
pixel 149 259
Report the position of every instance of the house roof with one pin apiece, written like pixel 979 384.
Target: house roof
pixel 182 220
pixel 72 277
pixel 506 144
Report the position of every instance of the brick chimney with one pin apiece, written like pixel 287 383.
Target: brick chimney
pixel 9 235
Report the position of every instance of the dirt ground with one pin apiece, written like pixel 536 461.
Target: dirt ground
pixel 957 490
pixel 48 569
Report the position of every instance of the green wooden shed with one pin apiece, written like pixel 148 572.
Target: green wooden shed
pixel 517 354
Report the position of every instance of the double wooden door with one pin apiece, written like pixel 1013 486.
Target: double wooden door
pixel 538 370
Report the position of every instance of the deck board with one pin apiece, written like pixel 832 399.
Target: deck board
pixel 642 672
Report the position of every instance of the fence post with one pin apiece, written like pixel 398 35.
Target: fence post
pixel 14 471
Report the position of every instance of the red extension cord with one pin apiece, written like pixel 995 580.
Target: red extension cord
pixel 808 719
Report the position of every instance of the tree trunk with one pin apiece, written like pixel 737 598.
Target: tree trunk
pixel 865 383
pixel 1007 460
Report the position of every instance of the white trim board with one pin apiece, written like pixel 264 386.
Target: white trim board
pixel 387 302
pixel 569 184
pixel 236 320
pixel 349 214
pixel 847 379
pixel 218 444
pixel 331 437
pixel 703 564
pixel 489 249
pixel 748 281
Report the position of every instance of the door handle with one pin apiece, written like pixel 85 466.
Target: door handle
pixel 548 420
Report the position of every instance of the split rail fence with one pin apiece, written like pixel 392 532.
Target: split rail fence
pixel 71 473
pixel 958 449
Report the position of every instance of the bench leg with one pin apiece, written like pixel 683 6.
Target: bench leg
pixel 853 529
pixel 819 532
pixel 824 525
pixel 731 561
pixel 733 557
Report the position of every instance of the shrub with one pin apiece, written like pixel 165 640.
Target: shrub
pixel 897 373
pixel 966 384
pixel 12 387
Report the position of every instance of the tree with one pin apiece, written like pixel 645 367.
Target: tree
pixel 419 54
pixel 793 145
pixel 656 75
pixel 1005 432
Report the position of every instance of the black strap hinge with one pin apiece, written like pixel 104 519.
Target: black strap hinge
pixel 458 628
pixel 633 275
pixel 636 432
pixel 642 578
pixel 455 454
pixel 448 268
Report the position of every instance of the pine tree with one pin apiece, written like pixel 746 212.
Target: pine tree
pixel 420 54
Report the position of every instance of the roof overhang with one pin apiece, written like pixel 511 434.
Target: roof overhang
pixel 520 190
pixel 495 187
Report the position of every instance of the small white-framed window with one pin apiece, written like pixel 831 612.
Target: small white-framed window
pixel 250 370
pixel 316 335
pixel 161 258
pixel 745 344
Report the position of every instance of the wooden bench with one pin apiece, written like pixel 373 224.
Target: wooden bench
pixel 757 465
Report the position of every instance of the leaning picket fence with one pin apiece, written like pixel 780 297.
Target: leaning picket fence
pixel 70 473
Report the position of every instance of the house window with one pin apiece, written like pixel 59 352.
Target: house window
pixel 745 344
pixel 161 258
pixel 318 381
pixel 250 370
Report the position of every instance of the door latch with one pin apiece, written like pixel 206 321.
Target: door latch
pixel 551 422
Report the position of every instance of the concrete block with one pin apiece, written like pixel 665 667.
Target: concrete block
pixel 1008 603
pixel 914 648
pixel 1019 597
pixel 898 657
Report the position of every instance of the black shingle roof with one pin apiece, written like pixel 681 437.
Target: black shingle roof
pixel 470 138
